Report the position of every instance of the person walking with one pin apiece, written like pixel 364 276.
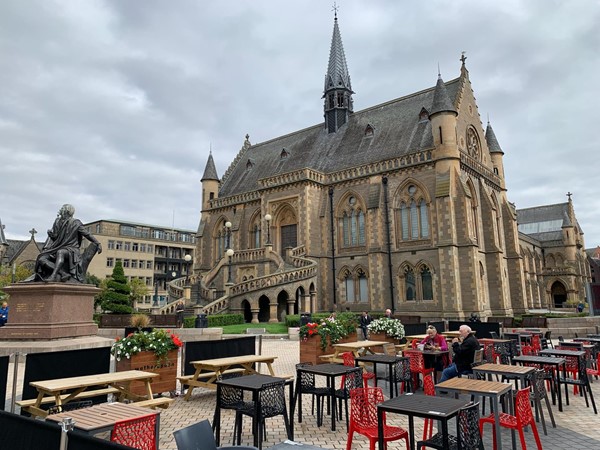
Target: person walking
pixel 365 320
pixel 179 310
pixel 464 349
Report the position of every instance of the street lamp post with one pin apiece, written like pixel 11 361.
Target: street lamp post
pixel 227 234
pixel 268 219
pixel 229 253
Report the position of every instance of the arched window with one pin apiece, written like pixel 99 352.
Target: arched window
pixel 426 284
pixel 472 213
pixel 349 288
pixel 363 288
pixel 413 214
pixel 256 236
pixel 410 284
pixel 352 224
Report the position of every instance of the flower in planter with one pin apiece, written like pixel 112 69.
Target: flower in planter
pixel 158 341
pixel 391 327
pixel 330 330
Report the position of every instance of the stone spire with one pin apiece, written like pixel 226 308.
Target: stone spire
pixel 210 172
pixel 491 140
pixel 337 90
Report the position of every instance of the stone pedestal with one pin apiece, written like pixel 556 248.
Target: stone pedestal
pixel 42 311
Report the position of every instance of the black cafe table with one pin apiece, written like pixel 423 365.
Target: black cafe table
pixel 330 371
pixel 386 360
pixel 419 405
pixel 254 384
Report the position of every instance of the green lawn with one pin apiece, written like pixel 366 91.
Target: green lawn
pixel 273 328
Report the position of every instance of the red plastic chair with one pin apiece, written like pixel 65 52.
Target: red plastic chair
pixel 536 344
pixel 526 350
pixel 596 371
pixel 363 418
pixel 572 365
pixel 414 343
pixel 417 366
pixel 349 361
pixel 522 418
pixel 429 389
pixel 138 433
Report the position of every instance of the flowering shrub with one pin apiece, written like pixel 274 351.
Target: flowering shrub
pixel 391 327
pixel 330 331
pixel 159 341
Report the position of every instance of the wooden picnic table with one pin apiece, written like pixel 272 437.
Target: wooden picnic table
pixel 63 390
pixel 100 418
pixel 208 371
pixel 357 348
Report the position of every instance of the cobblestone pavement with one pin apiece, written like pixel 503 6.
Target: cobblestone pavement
pixel 577 427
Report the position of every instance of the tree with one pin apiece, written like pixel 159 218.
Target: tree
pixel 21 273
pixel 138 290
pixel 101 284
pixel 117 299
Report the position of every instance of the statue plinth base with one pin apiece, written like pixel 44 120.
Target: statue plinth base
pixel 42 311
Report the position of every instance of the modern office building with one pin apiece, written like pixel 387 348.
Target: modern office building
pixel 151 253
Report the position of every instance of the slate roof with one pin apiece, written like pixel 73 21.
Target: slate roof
pixel 337 71
pixel 558 213
pixel 491 140
pixel 398 130
pixel 441 100
pixel 210 171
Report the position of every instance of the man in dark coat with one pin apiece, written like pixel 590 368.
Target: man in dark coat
pixel 464 351
pixel 365 320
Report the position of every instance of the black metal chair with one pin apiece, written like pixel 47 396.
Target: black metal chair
pixel 271 403
pixel 403 375
pixel 306 385
pixel 200 436
pixel 228 397
pixel 352 380
pixel 468 437
pixel 582 381
pixel 538 393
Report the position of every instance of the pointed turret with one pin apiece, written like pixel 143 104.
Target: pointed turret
pixel 443 121
pixel 496 152
pixel 491 140
pixel 210 182
pixel 337 91
pixel 441 99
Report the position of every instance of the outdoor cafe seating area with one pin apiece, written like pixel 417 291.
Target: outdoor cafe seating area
pixel 521 382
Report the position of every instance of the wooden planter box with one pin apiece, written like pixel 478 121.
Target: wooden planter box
pixel 310 350
pixel 382 337
pixel 146 361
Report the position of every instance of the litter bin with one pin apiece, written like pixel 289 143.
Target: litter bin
pixel 305 318
pixel 201 321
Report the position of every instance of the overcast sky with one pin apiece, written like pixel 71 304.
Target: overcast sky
pixel 112 106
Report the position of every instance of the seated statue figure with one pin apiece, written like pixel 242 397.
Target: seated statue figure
pixel 60 259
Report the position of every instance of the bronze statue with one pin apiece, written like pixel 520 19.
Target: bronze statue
pixel 60 259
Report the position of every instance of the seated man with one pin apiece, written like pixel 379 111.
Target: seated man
pixel 61 259
pixel 464 349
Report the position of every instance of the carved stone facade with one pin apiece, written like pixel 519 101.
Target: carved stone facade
pixel 403 205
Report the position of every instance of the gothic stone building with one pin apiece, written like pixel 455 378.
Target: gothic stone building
pixel 402 205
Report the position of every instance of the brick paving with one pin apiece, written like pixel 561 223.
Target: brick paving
pixel 577 427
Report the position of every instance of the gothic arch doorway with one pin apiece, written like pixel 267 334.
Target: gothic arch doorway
pixel 287 224
pixel 558 293
pixel 282 300
pixel 247 311
pixel 263 309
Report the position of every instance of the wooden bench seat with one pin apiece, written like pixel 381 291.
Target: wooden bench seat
pixel 153 403
pixel 81 395
pixel 187 378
